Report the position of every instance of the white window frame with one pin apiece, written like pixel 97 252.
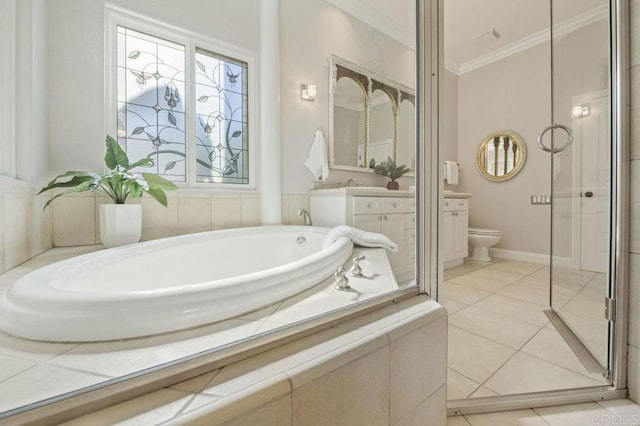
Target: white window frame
pixel 117 17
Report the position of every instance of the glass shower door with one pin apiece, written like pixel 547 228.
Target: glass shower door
pixel 579 145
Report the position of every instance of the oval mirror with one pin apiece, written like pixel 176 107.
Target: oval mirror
pixel 406 132
pixel 349 123
pixel 383 128
pixel 501 156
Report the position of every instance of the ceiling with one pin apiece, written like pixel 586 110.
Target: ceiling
pixel 514 20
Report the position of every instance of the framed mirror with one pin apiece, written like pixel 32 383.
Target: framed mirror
pixel 501 156
pixel 371 118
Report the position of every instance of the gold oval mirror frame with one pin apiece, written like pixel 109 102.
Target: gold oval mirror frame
pixel 501 156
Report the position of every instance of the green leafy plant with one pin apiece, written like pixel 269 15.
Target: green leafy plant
pixel 120 184
pixel 389 169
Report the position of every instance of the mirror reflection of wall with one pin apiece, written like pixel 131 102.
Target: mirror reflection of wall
pixel 383 123
pixel 349 122
pixel 367 124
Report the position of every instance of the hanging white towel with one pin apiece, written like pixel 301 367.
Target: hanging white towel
pixel 451 172
pixel 359 237
pixel 317 160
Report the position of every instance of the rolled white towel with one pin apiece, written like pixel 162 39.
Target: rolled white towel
pixel 359 237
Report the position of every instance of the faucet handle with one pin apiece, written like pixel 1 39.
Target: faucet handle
pixel 342 282
pixel 356 269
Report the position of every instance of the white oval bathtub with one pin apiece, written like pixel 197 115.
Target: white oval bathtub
pixel 169 284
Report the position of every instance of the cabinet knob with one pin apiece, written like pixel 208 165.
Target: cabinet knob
pixel 395 205
pixel 385 217
pixel 368 205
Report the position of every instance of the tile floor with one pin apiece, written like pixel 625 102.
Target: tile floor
pixel 615 412
pixel 500 341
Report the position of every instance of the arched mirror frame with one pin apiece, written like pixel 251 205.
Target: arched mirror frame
pixel 339 68
pixel 519 161
pixel 393 94
pixel 363 83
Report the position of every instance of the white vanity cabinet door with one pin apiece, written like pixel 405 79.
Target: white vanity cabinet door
pixel 367 222
pixel 455 231
pixel 392 225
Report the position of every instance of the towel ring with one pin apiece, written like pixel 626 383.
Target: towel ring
pixel 563 147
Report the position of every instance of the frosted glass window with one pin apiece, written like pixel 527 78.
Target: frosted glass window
pixel 151 96
pixel 204 139
pixel 221 119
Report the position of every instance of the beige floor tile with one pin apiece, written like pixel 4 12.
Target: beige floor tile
pixel 473 356
pixel 588 329
pixel 452 306
pixel 624 408
pixel 514 308
pixel 524 373
pixel 507 331
pixel 549 346
pixel 527 294
pixel 482 392
pixel 484 284
pixel 542 273
pixel 457 421
pixel 576 415
pixel 493 274
pixel 458 386
pixel 463 294
pixel 506 418
pixel 571 275
pixel 586 307
pixel 537 283
pixel 599 282
pixel 518 267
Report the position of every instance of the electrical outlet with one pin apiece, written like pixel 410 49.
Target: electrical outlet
pixel 541 199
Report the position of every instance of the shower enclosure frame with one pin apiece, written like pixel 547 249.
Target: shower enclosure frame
pixel 618 248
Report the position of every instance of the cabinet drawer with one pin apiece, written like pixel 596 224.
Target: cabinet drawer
pixel 367 205
pixel 410 205
pixel 410 236
pixel 409 220
pixel 453 204
pixel 392 205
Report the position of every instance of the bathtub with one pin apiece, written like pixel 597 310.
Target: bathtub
pixel 169 284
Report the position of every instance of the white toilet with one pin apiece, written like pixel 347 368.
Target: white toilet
pixel 480 240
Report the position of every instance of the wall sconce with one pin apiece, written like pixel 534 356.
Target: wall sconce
pixel 580 111
pixel 308 92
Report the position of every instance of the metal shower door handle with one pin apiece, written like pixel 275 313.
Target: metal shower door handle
pixel 563 147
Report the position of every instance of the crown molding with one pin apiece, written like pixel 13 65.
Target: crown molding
pixel 371 16
pixel 543 36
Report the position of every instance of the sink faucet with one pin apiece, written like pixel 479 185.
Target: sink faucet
pixel 306 217
pixel 352 181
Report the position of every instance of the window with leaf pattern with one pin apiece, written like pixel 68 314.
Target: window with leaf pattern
pixel 202 138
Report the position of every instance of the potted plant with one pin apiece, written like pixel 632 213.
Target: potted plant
pixel 389 169
pixel 120 223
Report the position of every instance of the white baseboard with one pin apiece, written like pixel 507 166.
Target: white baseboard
pixel 523 256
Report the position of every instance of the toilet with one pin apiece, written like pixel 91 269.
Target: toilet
pixel 480 240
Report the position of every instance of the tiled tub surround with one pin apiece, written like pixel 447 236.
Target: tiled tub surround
pixel 32 371
pixel 500 341
pixel 25 230
pixel 75 217
pixel 385 368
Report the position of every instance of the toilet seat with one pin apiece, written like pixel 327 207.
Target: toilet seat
pixel 483 231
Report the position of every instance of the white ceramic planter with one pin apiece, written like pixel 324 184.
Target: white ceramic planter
pixel 120 224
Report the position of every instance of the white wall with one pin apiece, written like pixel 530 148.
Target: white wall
pixel 513 94
pixel 311 31
pixel 77 72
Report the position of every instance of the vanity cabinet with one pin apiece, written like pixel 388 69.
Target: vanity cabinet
pixel 455 231
pixel 391 213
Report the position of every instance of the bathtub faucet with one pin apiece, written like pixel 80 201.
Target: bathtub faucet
pixel 306 217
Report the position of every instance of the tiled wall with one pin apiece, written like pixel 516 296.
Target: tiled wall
pixel 634 273
pixel 75 217
pixel 25 230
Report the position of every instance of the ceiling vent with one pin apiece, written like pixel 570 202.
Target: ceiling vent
pixel 486 37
